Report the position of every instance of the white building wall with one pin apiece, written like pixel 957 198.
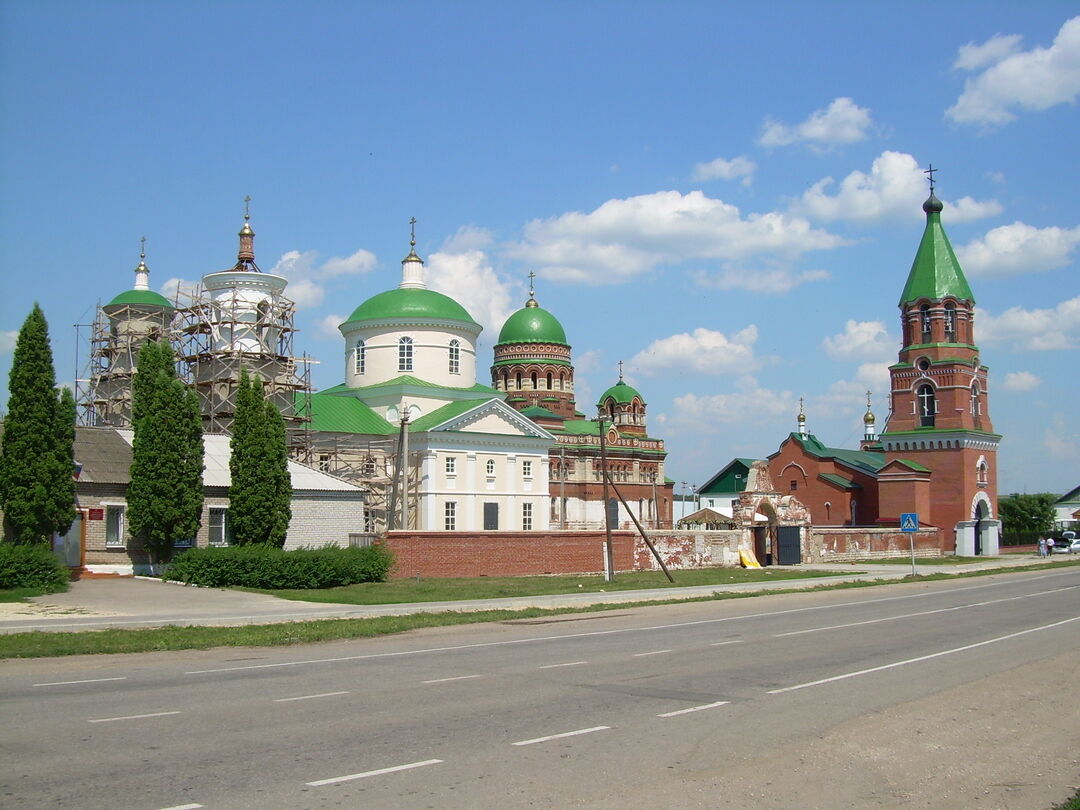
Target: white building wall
pixel 431 355
pixel 324 519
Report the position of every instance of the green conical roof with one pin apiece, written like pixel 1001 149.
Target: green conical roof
pixel 935 273
pixel 621 393
pixel 142 298
pixel 532 324
pixel 411 303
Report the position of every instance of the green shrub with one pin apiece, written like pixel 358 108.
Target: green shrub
pixel 262 566
pixel 31 566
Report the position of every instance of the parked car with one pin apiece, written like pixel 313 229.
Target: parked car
pixel 1068 543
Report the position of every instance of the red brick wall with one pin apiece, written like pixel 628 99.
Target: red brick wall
pixel 501 554
pixel 792 463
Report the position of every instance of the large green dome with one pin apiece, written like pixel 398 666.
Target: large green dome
pixel 531 324
pixel 621 393
pixel 410 303
pixel 141 298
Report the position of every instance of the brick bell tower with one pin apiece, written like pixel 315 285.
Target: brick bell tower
pixel 940 410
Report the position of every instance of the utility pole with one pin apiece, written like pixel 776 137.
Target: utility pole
pixel 404 468
pixel 562 487
pixel 609 561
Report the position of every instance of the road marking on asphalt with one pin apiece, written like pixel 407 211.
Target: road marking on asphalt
pixel 310 697
pixel 88 680
pixel 921 613
pixel 567 664
pixel 379 772
pixel 695 708
pixel 131 717
pixel 561 736
pixel 183 807
pixel 654 652
pixel 456 678
pixel 722 643
pixel 593 633
pixel 922 657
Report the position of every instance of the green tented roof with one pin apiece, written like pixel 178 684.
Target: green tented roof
pixel 141 297
pixel 410 304
pixel 621 393
pixel 532 325
pixel 335 414
pixel 935 273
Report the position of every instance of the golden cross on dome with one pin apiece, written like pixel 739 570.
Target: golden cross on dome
pixel 930 171
pixel 412 232
pixel 142 248
pixel 247 208
pixel 620 369
pixel 532 287
pixel 867 399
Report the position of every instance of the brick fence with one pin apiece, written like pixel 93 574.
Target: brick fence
pixel 840 544
pixel 505 554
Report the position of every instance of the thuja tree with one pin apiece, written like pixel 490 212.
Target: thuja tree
pixel 260 493
pixel 165 496
pixel 37 488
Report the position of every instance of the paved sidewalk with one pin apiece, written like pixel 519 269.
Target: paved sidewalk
pixel 94 604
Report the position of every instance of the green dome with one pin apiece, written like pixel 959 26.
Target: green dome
pixel 621 393
pixel 141 298
pixel 532 325
pixel 408 304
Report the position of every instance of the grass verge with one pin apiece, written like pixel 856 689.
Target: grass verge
pixel 18 594
pixel 44 644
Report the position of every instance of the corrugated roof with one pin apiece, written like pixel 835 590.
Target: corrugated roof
pixel 336 414
pixel 839 480
pixel 409 380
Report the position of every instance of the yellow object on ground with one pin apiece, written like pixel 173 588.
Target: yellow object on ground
pixel 748 559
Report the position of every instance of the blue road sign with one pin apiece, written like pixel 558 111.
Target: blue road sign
pixel 909 522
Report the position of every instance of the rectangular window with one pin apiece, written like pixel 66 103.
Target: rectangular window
pixel 526 469
pixel 451 465
pixel 526 517
pixel 450 516
pixel 455 357
pixel 220 530
pixel 114 527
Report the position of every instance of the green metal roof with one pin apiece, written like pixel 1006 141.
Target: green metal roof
pixel 839 481
pixel 732 478
pixel 408 380
pixel 935 273
pixel 539 412
pixel 580 427
pixel 444 414
pixel 141 297
pixel 532 324
pixel 621 393
pixel 335 414
pixel 410 304
pixel 861 459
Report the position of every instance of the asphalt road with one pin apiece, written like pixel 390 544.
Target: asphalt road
pixel 941 694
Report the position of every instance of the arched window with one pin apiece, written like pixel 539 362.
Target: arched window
pixel 924 322
pixel 534 381
pixel 455 357
pixel 982 473
pixel 550 380
pixel 489 468
pixel 517 381
pixel 950 322
pixel 927 405
pixel 976 406
pixel 405 354
pixel 562 380
pixel 359 357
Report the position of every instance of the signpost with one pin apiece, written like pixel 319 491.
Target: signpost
pixel 909 524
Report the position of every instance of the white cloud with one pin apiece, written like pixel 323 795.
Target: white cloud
pixel 586 364
pixel 307 276
pixel 624 238
pixel 860 339
pixel 895 188
pixel 1017 249
pixel 1031 80
pixel 173 287
pixel 1031 329
pixel 1020 381
pixel 702 351
pixel 776 281
pixel 327 326
pixel 363 261
pixel 1062 440
pixel 470 280
pixel 843 121
pixel 468 237
pixel 849 396
pixel 7 342
pixel 748 404
pixel 306 292
pixel 721 169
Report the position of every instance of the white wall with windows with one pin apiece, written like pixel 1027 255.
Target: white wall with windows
pixel 443 354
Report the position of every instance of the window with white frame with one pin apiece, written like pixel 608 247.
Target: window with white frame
pixel 450 516
pixel 359 357
pixel 455 356
pixel 451 465
pixel 526 517
pixel 490 467
pixel 526 469
pixel 976 407
pixel 114 527
pixel 219 527
pixel 405 354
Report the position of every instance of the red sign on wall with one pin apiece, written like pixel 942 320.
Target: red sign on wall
pixel 95 514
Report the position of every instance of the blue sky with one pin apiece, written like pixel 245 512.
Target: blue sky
pixel 725 196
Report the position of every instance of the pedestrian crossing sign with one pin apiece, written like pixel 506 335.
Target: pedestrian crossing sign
pixel 909 522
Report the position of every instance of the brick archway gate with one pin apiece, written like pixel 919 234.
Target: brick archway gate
pixel 783 538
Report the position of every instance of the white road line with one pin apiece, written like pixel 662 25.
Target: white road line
pixel 567 664
pixel 88 680
pixel 654 652
pixel 921 657
pixel 722 643
pixel 592 633
pixel 132 717
pixel 457 678
pixel 695 708
pixel 379 772
pixel 183 807
pixel 564 734
pixel 310 697
pixel 921 613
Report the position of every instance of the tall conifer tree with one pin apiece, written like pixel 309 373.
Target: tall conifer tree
pixel 37 492
pixel 165 496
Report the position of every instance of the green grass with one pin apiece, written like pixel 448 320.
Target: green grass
pixel 1070 804
pixel 19 594
pixel 401 591
pixel 951 559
